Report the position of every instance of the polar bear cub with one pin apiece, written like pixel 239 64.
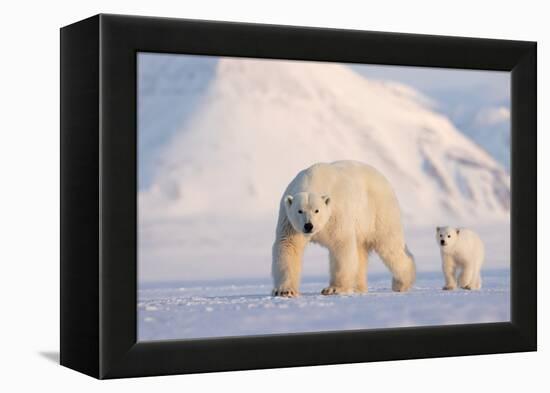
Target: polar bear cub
pixel 462 253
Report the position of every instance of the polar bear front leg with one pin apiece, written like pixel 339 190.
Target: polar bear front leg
pixel 344 264
pixel 449 272
pixel 287 265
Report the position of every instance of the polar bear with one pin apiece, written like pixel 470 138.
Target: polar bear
pixel 349 208
pixel 461 249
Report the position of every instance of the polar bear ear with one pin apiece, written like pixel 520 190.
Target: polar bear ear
pixel 457 231
pixel 288 200
pixel 437 229
pixel 326 199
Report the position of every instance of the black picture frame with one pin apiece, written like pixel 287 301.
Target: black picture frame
pixel 99 188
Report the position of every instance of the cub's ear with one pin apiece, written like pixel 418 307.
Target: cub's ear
pixel 457 231
pixel 437 229
pixel 288 200
pixel 326 199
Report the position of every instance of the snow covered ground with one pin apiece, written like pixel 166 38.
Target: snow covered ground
pixel 236 308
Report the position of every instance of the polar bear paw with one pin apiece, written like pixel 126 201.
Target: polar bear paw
pixel 284 292
pixel 332 290
pixel 399 286
pixel 449 287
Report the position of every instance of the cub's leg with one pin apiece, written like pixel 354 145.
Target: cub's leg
pixel 476 279
pixel 449 272
pixel 466 277
pixel 344 263
pixel 361 283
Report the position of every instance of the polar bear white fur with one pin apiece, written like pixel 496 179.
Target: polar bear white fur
pixel 349 208
pixel 461 250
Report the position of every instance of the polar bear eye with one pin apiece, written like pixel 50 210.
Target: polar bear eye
pixel 316 211
pixel 448 236
pixel 300 212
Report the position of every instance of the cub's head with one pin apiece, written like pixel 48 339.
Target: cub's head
pixel 307 212
pixel 446 236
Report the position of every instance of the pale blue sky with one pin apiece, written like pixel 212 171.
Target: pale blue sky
pixel 489 84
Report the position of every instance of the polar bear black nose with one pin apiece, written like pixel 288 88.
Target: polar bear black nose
pixel 308 227
pixel 442 242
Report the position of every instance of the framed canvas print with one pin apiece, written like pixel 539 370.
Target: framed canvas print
pixel 239 196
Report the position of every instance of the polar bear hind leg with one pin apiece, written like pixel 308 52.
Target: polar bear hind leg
pixel 400 262
pixel 476 283
pixel 361 282
pixel 467 276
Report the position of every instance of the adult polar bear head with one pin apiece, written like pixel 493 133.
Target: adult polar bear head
pixel 308 212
